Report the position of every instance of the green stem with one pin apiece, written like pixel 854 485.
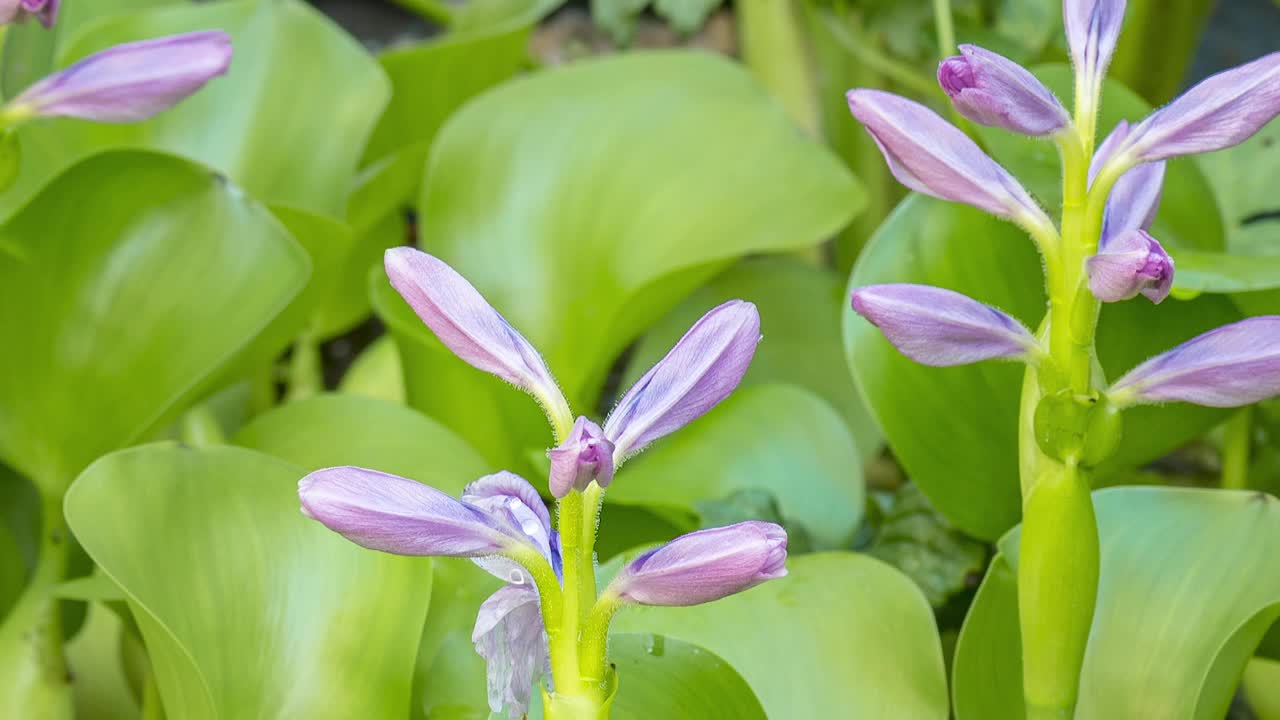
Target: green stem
pixel 595 639
pixel 564 649
pixel 945 28
pixel 870 56
pixel 33 672
pixel 1235 450
pixel 200 428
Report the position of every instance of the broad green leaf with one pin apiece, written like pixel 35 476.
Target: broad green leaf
pixel 1188 217
pixel 141 276
pixel 330 430
pixel 955 429
pixel 618 18
pixel 289 131
pixel 774 438
pixel 660 677
pixel 376 373
pixel 1220 272
pixel 328 243
pixel 800 319
pixel 570 200
pixel 248 608
pixel 1189 585
pixel 842 636
pixel 686 16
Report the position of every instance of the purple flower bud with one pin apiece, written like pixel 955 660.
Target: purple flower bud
pixel 1220 112
pixel 510 636
pixel 1135 197
pixel 46 11
pixel 993 90
pixel 1132 263
pixel 470 327
pixel 941 328
pixel 700 371
pixel 1234 365
pixel 392 514
pixel 511 500
pixel 586 456
pixel 705 565
pixel 932 156
pixel 131 82
pixel 1093 27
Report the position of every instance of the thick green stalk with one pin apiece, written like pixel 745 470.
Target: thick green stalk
pixel 34 683
pixel 564 649
pixel 1058 563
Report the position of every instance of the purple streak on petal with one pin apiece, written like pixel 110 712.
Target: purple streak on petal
pixel 1234 365
pixel 932 156
pixel 585 456
pixel 513 503
pixel 1093 27
pixel 510 636
pixel 468 325
pixel 1132 263
pixel 1221 111
pixel 131 82
pixel 700 371
pixel 939 327
pixel 397 515
pixel 705 565
pixel 993 90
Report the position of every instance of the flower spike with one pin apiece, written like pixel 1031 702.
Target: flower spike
pixel 1222 111
pixel 704 566
pixel 993 90
pixel 470 327
pixel 1234 365
pixel 700 371
pixel 942 328
pixel 130 82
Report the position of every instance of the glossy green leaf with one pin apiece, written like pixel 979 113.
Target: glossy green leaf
pixel 1188 217
pixel 376 372
pixel 775 438
pixel 1262 688
pixel 842 636
pixel 955 429
pixel 1189 585
pixel 569 199
pixel 141 276
pixel 329 430
pixel 800 319
pixel 248 608
pixel 289 132
pixel 661 677
pixel 1199 272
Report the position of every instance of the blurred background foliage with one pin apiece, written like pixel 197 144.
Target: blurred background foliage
pixel 203 319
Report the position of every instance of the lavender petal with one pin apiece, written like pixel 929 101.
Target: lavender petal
pixel 993 90
pixel 702 369
pixel 704 566
pixel 940 327
pixel 1234 365
pixel 510 636
pixel 470 327
pixel 130 82
pixel 1132 263
pixel 585 457
pixel 931 156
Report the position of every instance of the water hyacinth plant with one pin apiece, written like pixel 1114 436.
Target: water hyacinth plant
pixel 548 620
pixel 278 279
pixel 1100 252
